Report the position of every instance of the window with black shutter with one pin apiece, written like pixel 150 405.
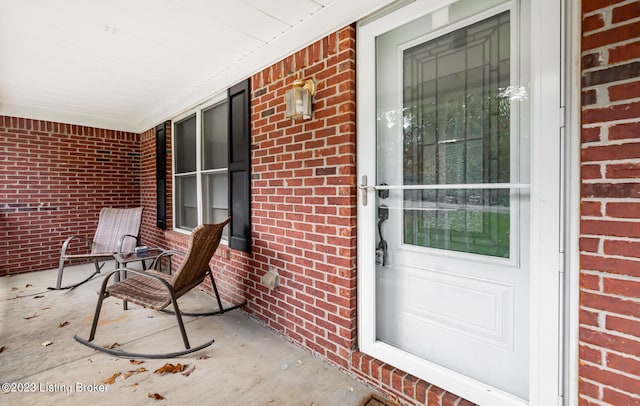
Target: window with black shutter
pixel 212 166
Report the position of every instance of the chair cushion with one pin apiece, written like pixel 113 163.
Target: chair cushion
pixel 143 291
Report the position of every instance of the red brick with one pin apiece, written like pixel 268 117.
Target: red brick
pixel 612 36
pixel 590 172
pixel 589 97
pixel 421 391
pixel 626 52
pixel 585 402
pixel 609 378
pixel 614 190
pixel 588 389
pixel 589 282
pixel 624 131
pixel 609 152
pixel 625 91
pixel 409 386
pixel 622 248
pixel 623 364
pixel 434 395
pixel 623 325
pixel 589 318
pixel 611 228
pixel 611 113
pixel 610 304
pixel 593 5
pixel 397 377
pixel 590 354
pixel 614 397
pixel 591 208
pixel 592 22
pixel 625 12
pixel 629 210
pixel 610 265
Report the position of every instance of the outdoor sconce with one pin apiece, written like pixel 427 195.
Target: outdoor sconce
pixel 298 99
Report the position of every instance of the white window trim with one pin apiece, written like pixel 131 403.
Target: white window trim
pixel 197 110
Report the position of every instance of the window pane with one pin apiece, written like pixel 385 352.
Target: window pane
pixel 186 202
pixel 185 145
pixel 457 132
pixel 216 196
pixel 214 146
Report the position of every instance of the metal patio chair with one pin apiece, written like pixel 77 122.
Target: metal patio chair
pixel 157 290
pixel 117 231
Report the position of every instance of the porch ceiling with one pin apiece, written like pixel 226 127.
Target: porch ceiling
pixel 131 64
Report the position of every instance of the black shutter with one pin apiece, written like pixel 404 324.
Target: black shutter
pixel 161 176
pixel 239 122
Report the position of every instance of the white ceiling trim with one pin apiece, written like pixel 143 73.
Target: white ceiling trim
pixel 131 64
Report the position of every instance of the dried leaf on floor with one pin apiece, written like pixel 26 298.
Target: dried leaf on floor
pixel 204 357
pixel 112 379
pixel 46 343
pixel 63 324
pixel 169 368
pixel 30 317
pixel 28 285
pixel 112 346
pixel 135 371
pixel 2 348
pixel 189 371
pixel 155 396
pixel 38 296
pixel 45 308
pixel 135 362
pixel 133 385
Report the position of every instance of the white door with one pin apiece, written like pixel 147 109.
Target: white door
pixel 448 194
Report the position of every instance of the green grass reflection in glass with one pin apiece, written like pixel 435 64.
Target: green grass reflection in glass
pixel 472 229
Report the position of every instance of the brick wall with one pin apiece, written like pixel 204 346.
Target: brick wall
pixel 303 200
pixel 54 179
pixel 304 206
pixel 609 371
pixel 152 236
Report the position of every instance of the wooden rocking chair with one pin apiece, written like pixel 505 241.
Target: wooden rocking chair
pixel 156 290
pixel 117 232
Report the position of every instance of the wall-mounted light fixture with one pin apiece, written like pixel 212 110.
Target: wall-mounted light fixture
pixel 298 99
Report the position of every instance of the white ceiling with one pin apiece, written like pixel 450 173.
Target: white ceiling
pixel 131 64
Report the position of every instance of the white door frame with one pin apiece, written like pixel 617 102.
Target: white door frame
pixel 546 251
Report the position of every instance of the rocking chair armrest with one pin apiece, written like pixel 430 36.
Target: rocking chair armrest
pixel 165 253
pixel 121 241
pixel 65 244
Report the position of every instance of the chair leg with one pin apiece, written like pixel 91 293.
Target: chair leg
pixel 183 332
pixel 60 270
pixel 215 290
pixel 220 310
pixel 96 316
pixel 98 266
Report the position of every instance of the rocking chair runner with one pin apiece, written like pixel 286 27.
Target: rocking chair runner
pixel 117 231
pixel 156 290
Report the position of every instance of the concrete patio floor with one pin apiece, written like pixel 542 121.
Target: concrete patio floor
pixel 247 364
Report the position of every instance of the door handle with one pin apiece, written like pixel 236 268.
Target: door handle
pixel 365 188
pixel 383 192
